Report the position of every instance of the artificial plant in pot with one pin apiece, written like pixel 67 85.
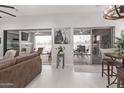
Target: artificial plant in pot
pixel 120 43
pixel 60 49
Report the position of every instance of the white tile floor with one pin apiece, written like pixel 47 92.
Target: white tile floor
pixel 67 78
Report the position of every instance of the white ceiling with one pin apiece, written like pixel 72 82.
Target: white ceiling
pixel 24 10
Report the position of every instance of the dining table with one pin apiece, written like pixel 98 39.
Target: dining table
pixel 114 57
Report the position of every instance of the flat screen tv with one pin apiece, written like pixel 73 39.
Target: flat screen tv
pixel 24 36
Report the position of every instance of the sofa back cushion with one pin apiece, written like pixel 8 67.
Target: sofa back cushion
pixel 7 62
pixel 25 57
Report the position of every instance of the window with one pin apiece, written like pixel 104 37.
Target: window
pixel 43 41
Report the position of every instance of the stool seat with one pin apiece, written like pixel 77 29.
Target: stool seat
pixel 107 60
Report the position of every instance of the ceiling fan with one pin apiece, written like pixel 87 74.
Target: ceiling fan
pixel 9 7
pixel 114 12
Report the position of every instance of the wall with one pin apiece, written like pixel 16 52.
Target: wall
pixel 51 21
pixel 68 52
pixel 28 45
pixel 119 26
pixel 32 40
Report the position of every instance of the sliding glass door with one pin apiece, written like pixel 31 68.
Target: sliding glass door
pixel 43 39
pixel 88 41
pixel 44 42
pixel 82 46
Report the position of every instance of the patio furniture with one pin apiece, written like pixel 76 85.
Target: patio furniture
pixel 81 50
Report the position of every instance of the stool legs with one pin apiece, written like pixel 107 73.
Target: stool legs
pixel 118 83
pixel 108 71
pixel 111 71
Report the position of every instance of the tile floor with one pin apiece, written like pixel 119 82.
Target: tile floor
pixel 67 78
pixel 81 60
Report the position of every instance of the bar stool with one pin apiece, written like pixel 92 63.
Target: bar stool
pixel 108 71
pixel 108 62
pixel 120 75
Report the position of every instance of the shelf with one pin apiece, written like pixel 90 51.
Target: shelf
pixel 15 39
pixel 13 32
pixel 12 40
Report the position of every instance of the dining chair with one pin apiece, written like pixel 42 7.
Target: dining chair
pixel 40 50
pixel 108 62
pixel 81 50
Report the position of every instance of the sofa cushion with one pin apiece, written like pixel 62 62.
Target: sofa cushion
pixel 7 62
pixel 25 57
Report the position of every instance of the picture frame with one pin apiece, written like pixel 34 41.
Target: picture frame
pixel 62 35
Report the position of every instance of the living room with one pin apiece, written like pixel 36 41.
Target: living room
pixel 64 19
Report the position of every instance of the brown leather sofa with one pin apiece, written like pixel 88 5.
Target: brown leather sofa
pixel 20 71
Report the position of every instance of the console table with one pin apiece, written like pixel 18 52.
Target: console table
pixel 60 55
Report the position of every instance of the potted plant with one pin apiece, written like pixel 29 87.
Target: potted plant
pixel 60 49
pixel 120 43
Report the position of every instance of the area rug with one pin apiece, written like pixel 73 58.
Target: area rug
pixel 88 68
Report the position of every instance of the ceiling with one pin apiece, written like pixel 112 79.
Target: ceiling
pixel 25 10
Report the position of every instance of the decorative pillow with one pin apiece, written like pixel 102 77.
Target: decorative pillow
pixel 10 54
pixel 7 62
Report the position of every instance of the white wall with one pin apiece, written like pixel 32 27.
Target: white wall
pixel 119 26
pixel 26 44
pixel 68 52
pixel 51 21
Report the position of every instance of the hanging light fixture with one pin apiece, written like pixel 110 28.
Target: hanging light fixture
pixel 7 7
pixel 114 12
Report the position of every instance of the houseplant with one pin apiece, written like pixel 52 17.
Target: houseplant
pixel 120 43
pixel 60 49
